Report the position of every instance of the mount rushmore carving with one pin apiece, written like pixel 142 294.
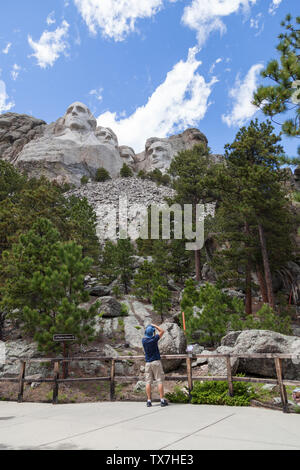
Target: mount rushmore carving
pixel 74 146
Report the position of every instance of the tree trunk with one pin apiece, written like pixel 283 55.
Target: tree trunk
pixel 248 304
pixel 268 276
pixel 198 265
pixel 262 285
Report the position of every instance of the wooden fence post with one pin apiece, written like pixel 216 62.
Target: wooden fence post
pixel 189 375
pixel 229 376
pixel 284 400
pixel 21 381
pixel 112 380
pixel 55 384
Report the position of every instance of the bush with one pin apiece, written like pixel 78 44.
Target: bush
pixel 216 393
pixel 102 175
pixel 124 310
pixel 126 172
pixel 142 174
pixel 178 395
pixel 84 180
pixel 264 319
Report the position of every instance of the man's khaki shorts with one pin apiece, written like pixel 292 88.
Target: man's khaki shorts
pixel 154 371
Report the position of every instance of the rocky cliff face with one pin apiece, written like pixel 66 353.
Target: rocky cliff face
pixel 17 130
pixel 74 146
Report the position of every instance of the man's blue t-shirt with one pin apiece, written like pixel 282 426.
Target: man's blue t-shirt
pixel 151 348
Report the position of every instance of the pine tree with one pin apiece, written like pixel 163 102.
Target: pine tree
pixel 253 198
pixel 189 169
pixel 45 286
pixel 284 95
pixel 143 281
pixel 161 301
pixel 29 199
pixel 126 171
pixel 117 262
pixel 102 175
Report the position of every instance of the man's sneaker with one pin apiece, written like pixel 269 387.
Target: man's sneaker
pixel 163 403
pixel 149 403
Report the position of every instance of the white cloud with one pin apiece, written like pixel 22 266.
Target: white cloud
pixel 212 68
pixel 273 6
pixel 257 23
pixel 4 105
pixel 179 102
pixel 97 94
pixel 15 71
pixel 116 18
pixel 7 47
pixel 51 18
pixel 205 16
pixel 242 94
pixel 50 45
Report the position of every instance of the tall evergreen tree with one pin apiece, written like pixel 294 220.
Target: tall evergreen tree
pixel 117 262
pixel 189 169
pixel 254 197
pixel 284 93
pixel 45 286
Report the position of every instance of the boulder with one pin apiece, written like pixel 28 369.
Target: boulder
pixel 98 290
pixel 172 342
pixel 110 307
pixel 134 332
pixel 260 341
pixel 218 366
pixel 14 350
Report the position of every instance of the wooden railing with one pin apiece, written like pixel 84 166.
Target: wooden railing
pixel 112 378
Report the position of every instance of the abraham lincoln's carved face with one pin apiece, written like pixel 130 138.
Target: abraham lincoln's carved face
pixel 160 154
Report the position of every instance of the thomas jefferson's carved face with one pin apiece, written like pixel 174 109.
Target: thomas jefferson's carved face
pixel 79 118
pixel 106 136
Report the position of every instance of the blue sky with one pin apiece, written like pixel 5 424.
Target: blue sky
pixel 144 67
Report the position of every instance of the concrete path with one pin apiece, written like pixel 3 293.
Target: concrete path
pixel 132 426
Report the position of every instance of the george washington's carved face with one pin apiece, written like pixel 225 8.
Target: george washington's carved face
pixel 79 118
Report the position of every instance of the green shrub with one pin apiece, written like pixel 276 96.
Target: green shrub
pixel 142 174
pixel 124 310
pixel 296 196
pixel 84 180
pixel 102 175
pixel 178 395
pixel 216 393
pixel 126 172
pixel 264 319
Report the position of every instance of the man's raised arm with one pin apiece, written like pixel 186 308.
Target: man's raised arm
pixel 160 330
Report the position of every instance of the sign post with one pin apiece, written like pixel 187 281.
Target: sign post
pixel 64 338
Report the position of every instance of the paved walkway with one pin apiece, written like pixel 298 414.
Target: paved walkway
pixel 132 426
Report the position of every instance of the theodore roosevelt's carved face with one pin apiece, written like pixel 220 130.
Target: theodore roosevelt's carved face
pixel 127 153
pixel 79 118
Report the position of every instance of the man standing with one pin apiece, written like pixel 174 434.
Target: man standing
pixel 153 369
